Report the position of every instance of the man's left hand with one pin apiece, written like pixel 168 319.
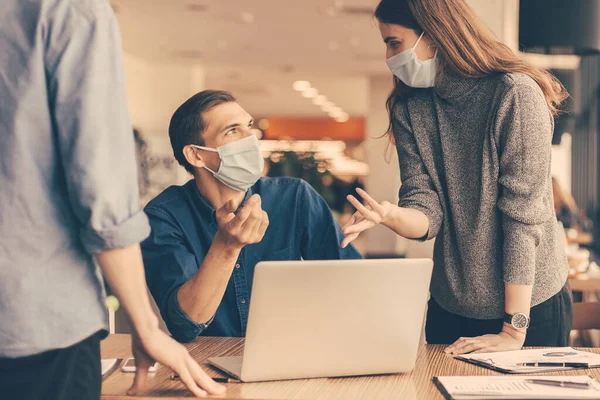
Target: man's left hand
pixel 508 339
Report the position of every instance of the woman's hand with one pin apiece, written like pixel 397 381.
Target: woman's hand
pixel 365 217
pixel 508 339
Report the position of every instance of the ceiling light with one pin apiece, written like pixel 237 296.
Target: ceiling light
pixel 301 85
pixel 334 46
pixel 319 100
pixel 328 106
pixel 310 93
pixel 188 54
pixel 287 68
pixel 336 110
pixel 258 133
pixel 248 17
pixel 343 117
pixel 196 7
pixel 264 124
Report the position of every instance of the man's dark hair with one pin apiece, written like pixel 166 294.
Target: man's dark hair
pixel 187 124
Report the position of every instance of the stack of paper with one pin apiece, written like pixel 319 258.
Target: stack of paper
pixel 508 361
pixel 516 387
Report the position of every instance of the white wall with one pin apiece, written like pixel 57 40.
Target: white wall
pixel 137 80
pixel 501 17
pixel 561 162
pixel 383 181
pixel 154 91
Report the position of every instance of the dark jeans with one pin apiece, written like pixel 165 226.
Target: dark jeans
pixel 550 323
pixel 63 374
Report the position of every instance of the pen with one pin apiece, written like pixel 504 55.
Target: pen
pixel 219 380
pixel 554 364
pixel 565 384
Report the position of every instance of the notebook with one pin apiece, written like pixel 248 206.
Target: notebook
pixel 507 361
pixel 516 387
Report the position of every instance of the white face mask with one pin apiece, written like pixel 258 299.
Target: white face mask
pixel 241 163
pixel 412 71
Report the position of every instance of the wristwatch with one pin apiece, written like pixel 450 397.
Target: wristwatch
pixel 518 320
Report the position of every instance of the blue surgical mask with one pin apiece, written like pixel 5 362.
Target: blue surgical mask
pixel 412 71
pixel 241 163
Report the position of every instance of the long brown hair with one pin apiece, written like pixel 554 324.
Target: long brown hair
pixel 464 43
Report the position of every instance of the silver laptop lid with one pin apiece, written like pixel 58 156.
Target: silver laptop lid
pixel 335 318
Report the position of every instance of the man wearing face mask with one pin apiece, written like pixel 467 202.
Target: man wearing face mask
pixel 208 235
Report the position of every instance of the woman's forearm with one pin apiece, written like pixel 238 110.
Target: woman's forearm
pixel 407 222
pixel 517 298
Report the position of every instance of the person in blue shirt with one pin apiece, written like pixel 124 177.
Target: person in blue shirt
pixel 209 234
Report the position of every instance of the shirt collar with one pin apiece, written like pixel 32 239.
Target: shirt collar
pixel 204 206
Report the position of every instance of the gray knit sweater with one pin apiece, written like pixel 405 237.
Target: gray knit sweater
pixel 475 158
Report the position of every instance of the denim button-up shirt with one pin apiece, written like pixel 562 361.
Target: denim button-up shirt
pixel 184 226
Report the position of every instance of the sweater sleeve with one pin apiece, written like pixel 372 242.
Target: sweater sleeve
pixel 524 139
pixel 417 190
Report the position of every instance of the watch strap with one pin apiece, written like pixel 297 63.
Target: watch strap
pixel 509 317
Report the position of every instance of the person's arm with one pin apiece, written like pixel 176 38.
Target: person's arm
pixel 419 214
pixel 524 127
pixel 322 236
pixel 407 222
pixel 94 139
pixel 417 191
pixel 188 295
pixel 517 299
pixel 169 262
pixel 126 284
pixel 524 144
pixel 200 296
pixel 124 271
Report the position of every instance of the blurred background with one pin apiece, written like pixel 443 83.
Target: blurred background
pixel 312 74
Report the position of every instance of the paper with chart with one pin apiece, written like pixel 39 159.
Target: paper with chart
pixel 508 360
pixel 516 387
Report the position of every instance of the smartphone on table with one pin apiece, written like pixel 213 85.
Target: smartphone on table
pixel 129 366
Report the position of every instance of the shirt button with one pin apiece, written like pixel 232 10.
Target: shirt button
pixel 243 301
pixel 237 265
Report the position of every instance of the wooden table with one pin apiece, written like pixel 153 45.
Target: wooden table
pixel 585 284
pixel 431 361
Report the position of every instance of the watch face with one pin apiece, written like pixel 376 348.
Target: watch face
pixel 519 321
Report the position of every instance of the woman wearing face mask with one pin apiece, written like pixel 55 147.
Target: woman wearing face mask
pixel 472 124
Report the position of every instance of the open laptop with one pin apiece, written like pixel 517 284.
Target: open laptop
pixel 312 319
